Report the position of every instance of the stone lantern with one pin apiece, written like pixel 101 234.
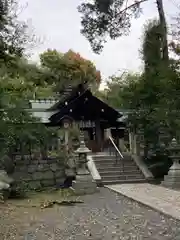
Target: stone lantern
pixel 84 183
pixel 172 180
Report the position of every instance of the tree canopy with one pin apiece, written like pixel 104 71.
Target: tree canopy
pixel 150 94
pixel 68 68
pixel 112 18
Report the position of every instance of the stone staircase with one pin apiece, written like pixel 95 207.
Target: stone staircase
pixel 114 171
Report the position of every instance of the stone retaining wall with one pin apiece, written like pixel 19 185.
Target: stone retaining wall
pixel 38 174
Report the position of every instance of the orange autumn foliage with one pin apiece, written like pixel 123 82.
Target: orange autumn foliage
pixel 71 66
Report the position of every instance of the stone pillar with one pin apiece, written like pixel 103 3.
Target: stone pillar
pixel 131 142
pixel 66 139
pixel 136 145
pixel 107 133
pixel 121 144
pixel 172 180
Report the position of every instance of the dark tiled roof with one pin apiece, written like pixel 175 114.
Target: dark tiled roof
pixel 69 94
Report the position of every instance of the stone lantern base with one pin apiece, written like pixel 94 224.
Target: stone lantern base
pixel 172 180
pixel 84 184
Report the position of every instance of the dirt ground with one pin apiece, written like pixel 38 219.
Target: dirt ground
pixel 102 216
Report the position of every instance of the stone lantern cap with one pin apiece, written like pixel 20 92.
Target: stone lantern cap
pixel 174 145
pixel 82 148
pixel 174 148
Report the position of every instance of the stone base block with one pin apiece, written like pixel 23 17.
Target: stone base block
pixel 171 184
pixel 4 195
pixel 170 178
pixel 84 185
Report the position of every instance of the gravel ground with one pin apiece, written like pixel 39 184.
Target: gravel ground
pixel 102 216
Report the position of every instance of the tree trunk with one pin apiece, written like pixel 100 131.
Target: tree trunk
pixel 162 20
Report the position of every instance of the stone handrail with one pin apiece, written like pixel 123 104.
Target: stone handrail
pixel 113 143
pixel 142 166
pixel 93 170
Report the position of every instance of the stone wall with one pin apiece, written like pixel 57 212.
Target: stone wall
pixel 38 174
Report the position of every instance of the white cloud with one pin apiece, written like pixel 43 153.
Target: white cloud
pixel 58 22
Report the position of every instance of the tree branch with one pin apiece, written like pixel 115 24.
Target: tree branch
pixel 132 5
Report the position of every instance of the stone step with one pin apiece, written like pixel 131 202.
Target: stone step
pixel 123 181
pixel 105 162
pixel 115 168
pixel 106 159
pixel 110 157
pixel 113 164
pixel 121 177
pixel 119 172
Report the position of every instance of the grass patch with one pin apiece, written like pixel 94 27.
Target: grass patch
pixel 37 199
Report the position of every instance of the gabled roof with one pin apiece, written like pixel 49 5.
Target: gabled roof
pixel 80 104
pixel 69 95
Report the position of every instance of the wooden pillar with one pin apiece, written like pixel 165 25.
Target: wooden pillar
pixel 98 135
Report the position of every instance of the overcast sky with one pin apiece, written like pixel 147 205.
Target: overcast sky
pixel 57 22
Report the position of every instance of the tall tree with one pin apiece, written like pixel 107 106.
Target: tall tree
pixel 148 95
pixel 15 35
pixel 103 18
pixel 15 89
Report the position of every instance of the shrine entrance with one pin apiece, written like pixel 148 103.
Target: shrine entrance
pixel 91 115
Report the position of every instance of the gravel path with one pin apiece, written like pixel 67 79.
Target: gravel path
pixel 102 216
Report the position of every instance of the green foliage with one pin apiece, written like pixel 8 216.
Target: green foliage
pixel 154 95
pixel 151 49
pixel 149 95
pixel 109 18
pixel 21 81
pixel 121 90
pixel 16 86
pixel 15 34
pixel 68 68
pixel 16 124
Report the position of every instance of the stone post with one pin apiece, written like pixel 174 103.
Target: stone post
pixel 66 124
pixel 136 145
pixel 172 179
pixel 84 183
pixel 131 142
pixel 121 144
